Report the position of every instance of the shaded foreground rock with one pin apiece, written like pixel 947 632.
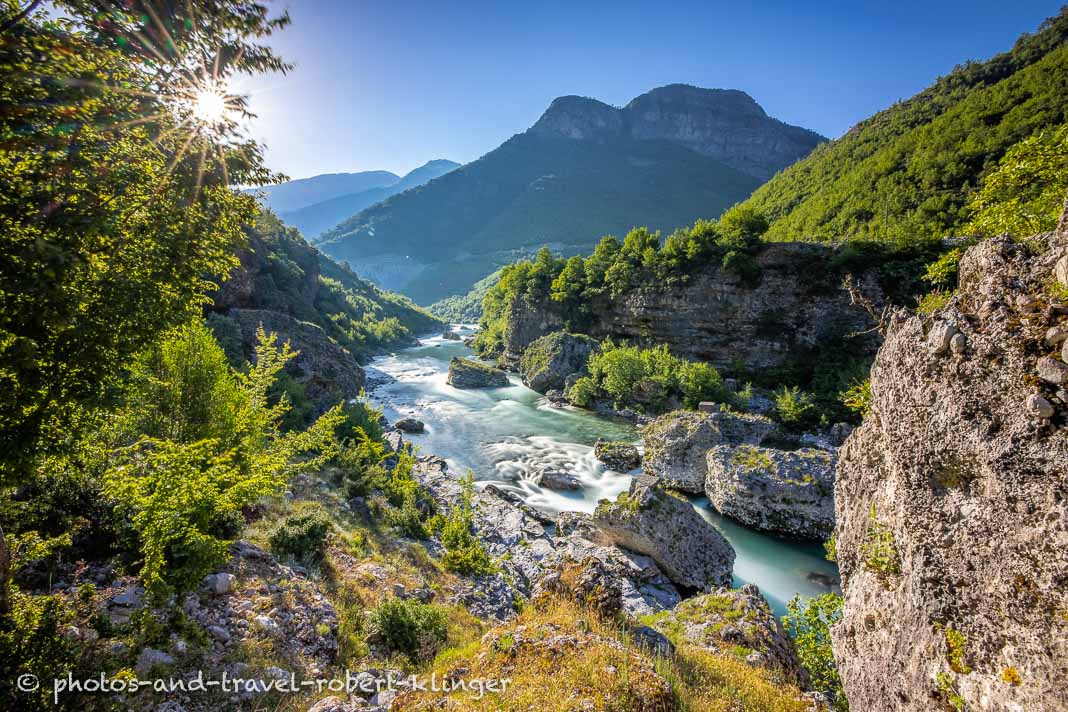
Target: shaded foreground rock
pixel 952 503
pixel 652 521
pixel 465 373
pixel 548 361
pixel 784 492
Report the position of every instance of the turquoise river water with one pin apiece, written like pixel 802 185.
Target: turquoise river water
pixel 505 435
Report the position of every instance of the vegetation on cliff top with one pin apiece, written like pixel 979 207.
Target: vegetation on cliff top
pixel 910 171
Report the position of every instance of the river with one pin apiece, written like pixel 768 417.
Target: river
pixel 505 435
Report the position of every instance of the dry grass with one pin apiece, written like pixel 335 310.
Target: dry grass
pixel 561 657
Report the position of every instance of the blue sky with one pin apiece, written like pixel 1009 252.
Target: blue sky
pixel 390 85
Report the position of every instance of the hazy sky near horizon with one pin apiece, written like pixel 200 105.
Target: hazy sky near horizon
pixel 392 84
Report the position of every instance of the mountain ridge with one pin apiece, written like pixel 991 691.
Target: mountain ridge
pixel 544 187
pixel 312 220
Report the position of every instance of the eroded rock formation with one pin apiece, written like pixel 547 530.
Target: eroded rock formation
pixel 952 498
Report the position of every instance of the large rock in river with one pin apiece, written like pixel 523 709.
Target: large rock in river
pixel 665 527
pixel 788 493
pixel 617 455
pixel 676 444
pixel 548 361
pixel 465 373
pixel 952 501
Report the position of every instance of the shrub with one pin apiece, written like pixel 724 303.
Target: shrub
pixel 955 651
pixel 409 627
pixel 858 397
pixel 878 549
pixel 947 690
pixel 464 553
pixel 181 488
pixel 582 392
pixel 32 642
pixel 648 379
pixel 743 265
pixel 942 273
pixel 795 408
pixel 933 301
pixel 302 537
pixel 1024 193
pixel 809 625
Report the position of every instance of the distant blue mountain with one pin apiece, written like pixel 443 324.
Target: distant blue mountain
pixel 313 220
pixel 296 194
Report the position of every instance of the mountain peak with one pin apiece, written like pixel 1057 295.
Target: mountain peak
pixel 579 117
pixel 689 97
pixel 725 124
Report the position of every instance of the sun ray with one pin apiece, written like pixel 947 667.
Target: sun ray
pixel 200 171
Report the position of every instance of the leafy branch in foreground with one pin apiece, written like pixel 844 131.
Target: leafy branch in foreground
pixel 809 624
pixel 117 208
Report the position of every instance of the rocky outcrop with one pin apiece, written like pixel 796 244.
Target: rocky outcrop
pixel 527 547
pixel 736 622
pixel 410 425
pixel 742 428
pixel 618 456
pixel 665 527
pixel 952 500
pixel 675 448
pixel 797 305
pixel 465 373
pixel 548 361
pixel 789 493
pixel 329 373
pixel 726 124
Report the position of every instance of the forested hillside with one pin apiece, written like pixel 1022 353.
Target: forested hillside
pixel 281 272
pixel 910 170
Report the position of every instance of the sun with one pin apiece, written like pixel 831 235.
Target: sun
pixel 209 105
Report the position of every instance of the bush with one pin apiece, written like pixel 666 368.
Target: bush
pixel 879 550
pixel 408 627
pixel 302 537
pixel 649 379
pixel 809 625
pixel 858 397
pixel 32 642
pixel 214 445
pixel 743 265
pixel 582 392
pixel 464 553
pixel 794 408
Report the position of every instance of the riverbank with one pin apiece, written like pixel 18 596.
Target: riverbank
pixel 504 436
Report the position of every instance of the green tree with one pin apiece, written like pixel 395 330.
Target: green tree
pixel 1024 194
pixel 742 226
pixel 115 199
pixel 182 487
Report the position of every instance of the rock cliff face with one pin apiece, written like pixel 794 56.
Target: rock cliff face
pixel 725 124
pixel 952 499
pixel 328 373
pixel 717 318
